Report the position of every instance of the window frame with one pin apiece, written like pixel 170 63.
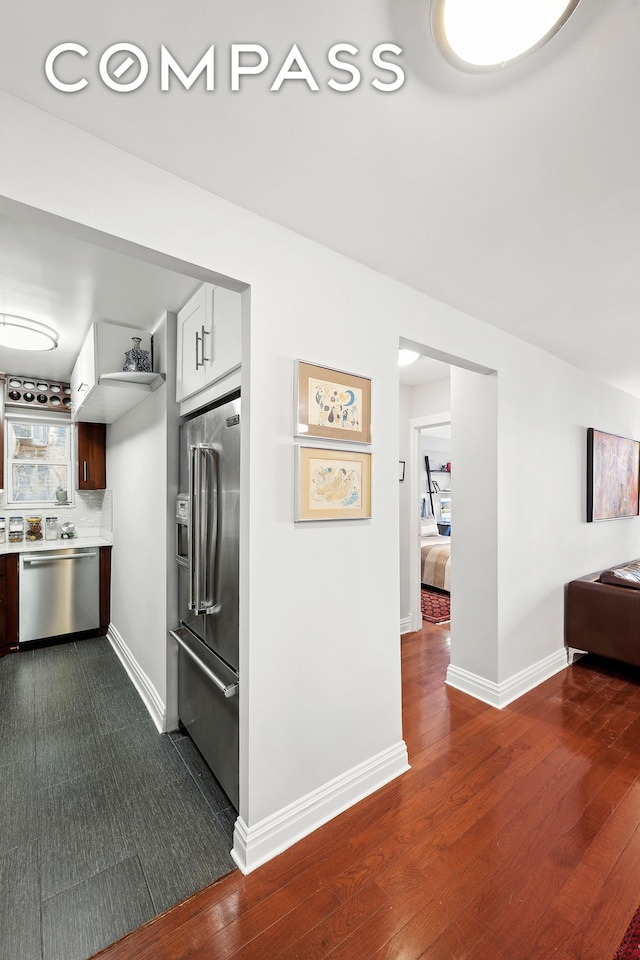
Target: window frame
pixel 9 461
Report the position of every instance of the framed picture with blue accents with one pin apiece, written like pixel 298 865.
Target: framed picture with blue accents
pixel 333 484
pixel 332 404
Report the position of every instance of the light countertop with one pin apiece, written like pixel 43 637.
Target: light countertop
pixel 29 546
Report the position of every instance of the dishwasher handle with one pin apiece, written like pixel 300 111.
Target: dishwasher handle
pixel 227 689
pixel 57 556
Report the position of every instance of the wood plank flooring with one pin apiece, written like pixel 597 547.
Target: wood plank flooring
pixel 514 835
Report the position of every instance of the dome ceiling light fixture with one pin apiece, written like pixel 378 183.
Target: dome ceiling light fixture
pixel 405 357
pixel 21 333
pixel 484 35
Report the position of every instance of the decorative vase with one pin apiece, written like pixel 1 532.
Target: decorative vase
pixel 137 360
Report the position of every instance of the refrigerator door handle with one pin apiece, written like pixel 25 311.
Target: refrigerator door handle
pixel 204 527
pixel 227 689
pixel 192 548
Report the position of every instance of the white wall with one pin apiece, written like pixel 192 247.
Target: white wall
pixel 138 462
pixel 320 665
pixel 431 397
pixel 544 409
pixel 476 534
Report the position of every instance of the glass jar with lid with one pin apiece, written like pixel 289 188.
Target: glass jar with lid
pixel 34 528
pixel 51 528
pixel 16 529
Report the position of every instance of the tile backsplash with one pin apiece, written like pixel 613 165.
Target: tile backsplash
pixel 92 510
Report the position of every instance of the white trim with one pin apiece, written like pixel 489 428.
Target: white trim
pixel 500 694
pixel 411 623
pixel 139 679
pixel 36 418
pixel 224 385
pixel 254 845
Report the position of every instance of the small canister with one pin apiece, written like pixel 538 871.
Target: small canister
pixel 3 529
pixel 34 528
pixel 16 529
pixel 51 528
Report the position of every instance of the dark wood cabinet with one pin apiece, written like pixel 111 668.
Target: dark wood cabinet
pixel 2 380
pixel 92 459
pixel 8 603
pixel 105 589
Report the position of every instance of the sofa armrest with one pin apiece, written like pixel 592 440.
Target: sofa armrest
pixel 603 619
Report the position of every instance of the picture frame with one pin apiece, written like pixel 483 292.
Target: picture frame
pixel 332 484
pixel 613 476
pixel 402 464
pixel 332 404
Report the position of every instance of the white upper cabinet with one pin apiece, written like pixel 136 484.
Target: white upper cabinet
pixel 83 376
pixel 208 347
pixel 100 390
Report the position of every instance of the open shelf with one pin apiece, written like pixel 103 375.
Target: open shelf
pixel 133 378
pixel 115 393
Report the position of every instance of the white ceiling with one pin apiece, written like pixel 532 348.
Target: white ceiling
pixel 514 197
pixel 423 370
pixel 67 283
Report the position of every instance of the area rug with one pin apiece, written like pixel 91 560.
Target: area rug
pixel 629 949
pixel 436 607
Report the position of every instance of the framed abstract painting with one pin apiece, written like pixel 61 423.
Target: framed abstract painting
pixel 333 484
pixel 332 404
pixel 613 476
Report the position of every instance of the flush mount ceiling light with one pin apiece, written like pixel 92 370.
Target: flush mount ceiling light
pixel 405 357
pixel 484 35
pixel 21 333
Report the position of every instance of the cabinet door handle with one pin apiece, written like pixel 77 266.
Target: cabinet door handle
pixel 200 339
pixel 205 333
pixel 84 471
pixel 83 386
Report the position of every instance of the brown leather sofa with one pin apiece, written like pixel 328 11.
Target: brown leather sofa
pixel 602 613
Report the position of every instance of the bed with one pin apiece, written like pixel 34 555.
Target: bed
pixel 435 556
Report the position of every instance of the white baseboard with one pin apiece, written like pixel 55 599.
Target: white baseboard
pixel 500 694
pixel 139 679
pixel 254 845
pixel 411 623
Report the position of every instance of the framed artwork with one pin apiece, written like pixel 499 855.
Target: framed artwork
pixel 332 404
pixel 613 476
pixel 401 470
pixel 333 484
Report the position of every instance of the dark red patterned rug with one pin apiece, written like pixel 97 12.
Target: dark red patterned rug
pixel 629 949
pixel 436 607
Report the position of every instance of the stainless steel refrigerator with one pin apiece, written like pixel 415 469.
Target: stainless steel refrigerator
pixel 207 551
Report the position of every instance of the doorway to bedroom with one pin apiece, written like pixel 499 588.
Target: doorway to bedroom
pixel 434 478
pixel 425 491
pixel 462 395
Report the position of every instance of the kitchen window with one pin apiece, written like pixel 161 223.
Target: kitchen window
pixel 39 460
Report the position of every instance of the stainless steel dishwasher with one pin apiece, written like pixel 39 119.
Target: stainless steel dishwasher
pixel 59 593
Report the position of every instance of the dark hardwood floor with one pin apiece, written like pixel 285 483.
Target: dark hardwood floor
pixel 514 835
